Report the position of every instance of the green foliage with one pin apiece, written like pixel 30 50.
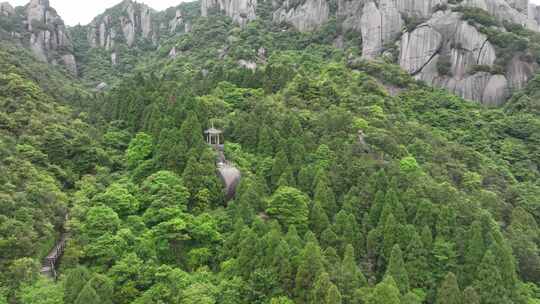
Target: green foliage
pixel 75 281
pixel 444 65
pixel 433 185
pixel 448 292
pixel 385 292
pixel 397 271
pixel 476 15
pixel 290 207
pixel 43 291
pixel 140 148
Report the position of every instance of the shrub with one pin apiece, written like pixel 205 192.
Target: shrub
pixel 476 15
pixel 444 65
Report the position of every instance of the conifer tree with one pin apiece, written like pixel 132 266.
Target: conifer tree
pixel 353 205
pixel 350 278
pixel 295 243
pixel 391 234
pixel 88 296
pixel 489 282
pixel 103 287
pixel 393 206
pixel 247 252
pixel 306 176
pixel 411 298
pixel 311 237
pixel 446 222
pixel 417 263
pixel 448 292
pixel 192 178
pixel 329 238
pixel 475 251
pixel 191 133
pixel 310 267
pixel 345 227
pixel 279 167
pixel 333 296
pixel 320 289
pixel 376 209
pixel 386 292
pixel 444 258
pixel 75 281
pixel 282 264
pixel 325 196
pixel 265 145
pixel 470 296
pixel 424 214
pixel 287 179
pixel 427 238
pixel 243 210
pixel 331 259
pixel 318 220
pixel 296 154
pixel 396 269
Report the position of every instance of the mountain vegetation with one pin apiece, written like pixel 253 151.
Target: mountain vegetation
pixel 360 183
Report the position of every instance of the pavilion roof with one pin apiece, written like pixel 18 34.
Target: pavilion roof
pixel 213 131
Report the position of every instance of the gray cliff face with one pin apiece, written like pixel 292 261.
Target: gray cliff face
pixel 6 9
pixel 241 11
pixel 446 37
pixel 135 21
pixel 444 50
pixel 49 40
pixel 305 17
pixel 131 22
pixel 176 22
pixel 516 11
pixel 418 48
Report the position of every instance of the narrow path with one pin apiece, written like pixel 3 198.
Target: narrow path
pixel 50 263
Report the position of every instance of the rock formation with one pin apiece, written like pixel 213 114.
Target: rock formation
pixel 444 50
pixel 136 20
pixel 176 22
pixel 6 9
pixel 305 17
pixel 241 11
pixel 49 40
pixel 445 37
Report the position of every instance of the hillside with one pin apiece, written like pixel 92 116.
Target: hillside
pixel 363 179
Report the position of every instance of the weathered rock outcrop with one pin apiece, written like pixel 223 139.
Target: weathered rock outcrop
pixel 305 17
pixel 6 9
pixel 176 22
pixel 418 48
pixel 379 22
pixel 446 40
pixel 444 50
pixel 516 11
pixel 371 28
pixel 49 40
pixel 136 20
pixel 519 72
pixel 418 8
pixel 241 11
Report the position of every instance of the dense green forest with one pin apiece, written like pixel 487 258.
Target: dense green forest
pixel 359 184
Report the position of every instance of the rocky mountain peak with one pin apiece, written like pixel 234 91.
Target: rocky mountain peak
pixel 6 9
pixel 433 40
pixel 41 29
pixel 241 11
pixel 128 20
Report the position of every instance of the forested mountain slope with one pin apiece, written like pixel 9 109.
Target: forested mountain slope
pixel 45 147
pixel 360 183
